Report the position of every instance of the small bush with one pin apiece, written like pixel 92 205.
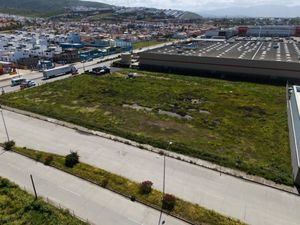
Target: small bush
pixel 9 145
pixel 4 183
pixel 168 202
pixel 133 198
pixel 161 152
pixel 38 156
pixel 146 187
pixel 104 183
pixel 72 159
pixel 48 160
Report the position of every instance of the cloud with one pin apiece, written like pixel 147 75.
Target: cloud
pixel 196 5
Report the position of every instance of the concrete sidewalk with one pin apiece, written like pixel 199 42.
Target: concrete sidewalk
pixel 87 201
pixel 231 196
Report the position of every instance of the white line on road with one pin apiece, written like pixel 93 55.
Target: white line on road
pixel 75 193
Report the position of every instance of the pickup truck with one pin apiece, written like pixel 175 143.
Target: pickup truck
pixel 27 84
pixel 100 70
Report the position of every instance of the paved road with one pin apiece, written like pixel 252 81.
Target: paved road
pixel 252 203
pixel 86 200
pixel 81 67
pixel 38 76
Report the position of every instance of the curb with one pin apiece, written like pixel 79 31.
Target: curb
pixel 9 78
pixel 110 189
pixel 197 162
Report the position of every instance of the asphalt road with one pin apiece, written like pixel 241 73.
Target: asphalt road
pixel 86 200
pixel 38 76
pixel 81 67
pixel 247 201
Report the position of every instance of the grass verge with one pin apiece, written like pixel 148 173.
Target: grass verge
pixel 20 207
pixel 186 210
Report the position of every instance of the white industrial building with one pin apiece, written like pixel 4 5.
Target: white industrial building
pixel 269 31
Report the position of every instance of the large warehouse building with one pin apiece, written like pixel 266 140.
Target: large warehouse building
pixel 250 57
pixel 269 31
pixel 294 130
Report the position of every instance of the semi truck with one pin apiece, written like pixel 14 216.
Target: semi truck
pixel 59 71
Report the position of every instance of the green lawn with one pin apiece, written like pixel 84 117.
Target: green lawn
pixel 18 207
pixel 143 44
pixel 191 212
pixel 235 124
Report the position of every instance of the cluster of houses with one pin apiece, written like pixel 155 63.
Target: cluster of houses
pixel 31 49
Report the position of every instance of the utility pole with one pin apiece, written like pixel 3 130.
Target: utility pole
pixel 4 123
pixel 35 194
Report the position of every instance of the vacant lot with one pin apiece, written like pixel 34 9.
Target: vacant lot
pixel 235 124
pixel 19 207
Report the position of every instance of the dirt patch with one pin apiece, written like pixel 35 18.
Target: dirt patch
pixel 204 112
pixel 137 107
pixel 175 115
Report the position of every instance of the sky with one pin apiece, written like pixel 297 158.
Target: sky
pixel 197 5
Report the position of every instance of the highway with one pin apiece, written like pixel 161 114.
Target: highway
pixel 250 202
pixel 87 201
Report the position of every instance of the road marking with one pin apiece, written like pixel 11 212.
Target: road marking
pixel 70 191
pixel 257 51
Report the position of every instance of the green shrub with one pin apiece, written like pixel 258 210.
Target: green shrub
pixel 104 183
pixel 133 198
pixel 38 156
pixel 146 187
pixel 4 183
pixel 72 159
pixel 168 202
pixel 9 145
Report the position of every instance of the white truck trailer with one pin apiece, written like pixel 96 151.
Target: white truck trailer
pixel 58 71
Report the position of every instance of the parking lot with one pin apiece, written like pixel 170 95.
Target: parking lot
pixel 269 50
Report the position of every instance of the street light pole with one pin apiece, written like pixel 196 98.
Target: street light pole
pixel 33 185
pixel 164 185
pixel 4 124
pixel 83 67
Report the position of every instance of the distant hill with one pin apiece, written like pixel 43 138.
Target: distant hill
pixel 190 16
pixel 44 7
pixel 255 11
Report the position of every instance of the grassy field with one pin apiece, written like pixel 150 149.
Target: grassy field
pixel 191 212
pixel 235 124
pixel 18 207
pixel 143 44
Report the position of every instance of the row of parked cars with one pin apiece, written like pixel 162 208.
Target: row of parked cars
pixel 23 82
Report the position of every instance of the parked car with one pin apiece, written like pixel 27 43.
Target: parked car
pixel 17 81
pixel 27 84
pixel 100 70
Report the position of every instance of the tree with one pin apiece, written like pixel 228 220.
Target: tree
pixel 72 159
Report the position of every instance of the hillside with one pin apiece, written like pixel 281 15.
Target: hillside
pixel 43 7
pixel 255 11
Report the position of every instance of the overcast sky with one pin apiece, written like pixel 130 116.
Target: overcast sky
pixel 197 5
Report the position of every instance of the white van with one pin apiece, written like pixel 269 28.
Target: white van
pixel 17 81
